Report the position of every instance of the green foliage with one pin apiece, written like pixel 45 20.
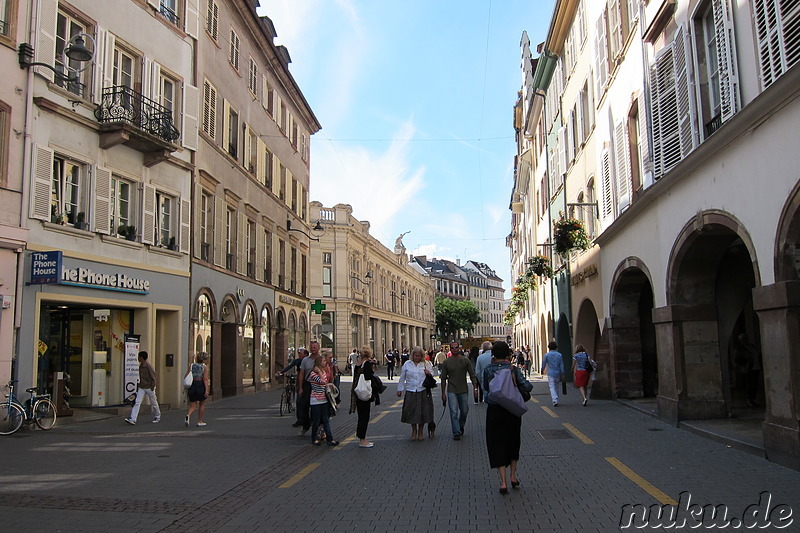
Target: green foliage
pixel 569 234
pixel 454 315
pixel 540 266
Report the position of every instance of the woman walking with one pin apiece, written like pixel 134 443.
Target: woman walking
pixel 198 391
pixel 320 407
pixel 365 366
pixel 418 401
pixel 582 371
pixel 503 428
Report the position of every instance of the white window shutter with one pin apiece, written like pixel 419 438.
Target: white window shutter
pixel 260 252
pixel 192 21
pixel 684 85
pixel 210 110
pixel 186 225
pixel 260 147
pixel 42 182
pixel 219 231
pixel 622 165
pixel 562 155
pixel 45 51
pixel 101 215
pixel 226 115
pixel 149 208
pixel 614 29
pixel 606 187
pixel 155 3
pixel 191 112
pixel 108 60
pixel 666 131
pixel 645 160
pixel 197 203
pixel 726 57
pixel 241 243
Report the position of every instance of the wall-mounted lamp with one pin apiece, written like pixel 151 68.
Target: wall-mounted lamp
pixel 317 228
pixel 366 279
pixel 75 50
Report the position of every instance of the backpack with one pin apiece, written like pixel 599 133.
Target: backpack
pixel 503 392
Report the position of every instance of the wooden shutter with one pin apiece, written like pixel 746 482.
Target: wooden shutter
pixel 192 22
pixel 45 51
pixel 614 29
pixel 197 226
pixel 684 85
pixel 726 57
pixel 606 188
pixel 186 225
pixel 151 79
pixel 42 182
pixel 210 110
pixel 226 116
pixel 149 207
pixel 101 215
pixel 663 108
pixel 260 252
pixel 219 231
pixel 622 165
pixel 644 142
pixel 241 243
pixel 191 112
pixel 108 60
pixel 99 64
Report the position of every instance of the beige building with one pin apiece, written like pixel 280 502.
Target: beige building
pixel 372 296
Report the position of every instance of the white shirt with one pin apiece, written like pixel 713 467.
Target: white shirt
pixel 412 376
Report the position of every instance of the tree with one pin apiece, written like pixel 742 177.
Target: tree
pixel 455 315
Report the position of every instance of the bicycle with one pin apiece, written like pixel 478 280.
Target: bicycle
pixel 38 408
pixel 288 395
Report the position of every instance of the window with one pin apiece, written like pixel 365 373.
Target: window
pixel 294 195
pixel 4 136
pixel 121 205
pixel 282 266
pixel 266 178
pixel 250 250
pixel 293 271
pixel 169 9
pixel 252 80
pixel 591 214
pixel 67 202
pixel 206 220
pixel 252 150
pixel 232 132
pixel 282 192
pixel 267 257
pixel 777 28
pixel 326 281
pixel 212 19
pixel 66 28
pixel 326 258
pixel 284 118
pixel 7 17
pixel 269 98
pixel 634 144
pixel 304 274
pixel 233 53
pixel 230 239
pixel 209 110
pixel 165 219
pixel 123 68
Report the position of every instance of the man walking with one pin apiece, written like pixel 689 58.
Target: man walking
pixel 304 388
pixel 390 358
pixel 454 388
pixel 484 360
pixel 296 362
pixel 146 387
pixel 554 364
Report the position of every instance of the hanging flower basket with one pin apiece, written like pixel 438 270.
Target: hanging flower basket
pixel 569 234
pixel 540 266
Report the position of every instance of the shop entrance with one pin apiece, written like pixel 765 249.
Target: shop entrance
pixel 61 333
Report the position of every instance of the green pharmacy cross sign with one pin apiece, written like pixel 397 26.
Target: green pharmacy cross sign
pixel 318 307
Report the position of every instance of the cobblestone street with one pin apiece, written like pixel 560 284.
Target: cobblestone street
pixel 248 470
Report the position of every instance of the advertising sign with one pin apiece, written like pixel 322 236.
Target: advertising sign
pixel 45 267
pixel 131 367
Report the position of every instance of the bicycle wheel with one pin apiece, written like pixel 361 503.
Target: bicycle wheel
pixel 290 401
pixel 44 413
pixel 11 418
pixel 284 404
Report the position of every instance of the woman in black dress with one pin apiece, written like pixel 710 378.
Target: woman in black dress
pixel 503 428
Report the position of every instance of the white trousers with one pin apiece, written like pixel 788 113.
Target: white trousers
pixel 140 394
pixel 553 387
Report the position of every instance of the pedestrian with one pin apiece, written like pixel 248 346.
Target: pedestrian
pixel 295 364
pixel 581 371
pixel 198 391
pixel 418 401
pixel 502 427
pixel 365 366
pixel 390 358
pixel 439 359
pixel 333 370
pixel 553 363
pixel 320 406
pixel 352 361
pixel 484 360
pixel 403 357
pixel 304 388
pixel 145 387
pixel 454 388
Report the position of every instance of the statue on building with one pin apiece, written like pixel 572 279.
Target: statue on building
pixel 399 247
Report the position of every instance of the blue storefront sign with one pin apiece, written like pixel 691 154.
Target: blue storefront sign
pixel 45 267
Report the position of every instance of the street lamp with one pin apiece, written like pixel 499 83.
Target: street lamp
pixel 317 227
pixel 75 50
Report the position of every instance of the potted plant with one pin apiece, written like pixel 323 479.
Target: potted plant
pixel 540 266
pixel 127 232
pixel 171 245
pixel 80 220
pixel 569 234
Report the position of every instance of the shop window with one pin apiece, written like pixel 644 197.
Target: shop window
pixel 263 364
pixel 248 347
pixel 68 204
pixel 121 206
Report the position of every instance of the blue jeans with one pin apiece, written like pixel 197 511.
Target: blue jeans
pixel 321 413
pixel 458 402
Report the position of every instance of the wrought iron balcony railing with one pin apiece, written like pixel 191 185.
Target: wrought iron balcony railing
pixel 123 104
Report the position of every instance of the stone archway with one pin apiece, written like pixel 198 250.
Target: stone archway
pixel 564 341
pixel 230 348
pixel 634 359
pixel 281 340
pixel 711 276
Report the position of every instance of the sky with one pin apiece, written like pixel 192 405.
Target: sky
pixel 415 99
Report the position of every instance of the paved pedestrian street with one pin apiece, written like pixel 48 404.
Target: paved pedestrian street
pixel 249 470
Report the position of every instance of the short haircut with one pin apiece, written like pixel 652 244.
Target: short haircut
pixel 486 346
pixel 553 345
pixel 500 350
pixel 143 355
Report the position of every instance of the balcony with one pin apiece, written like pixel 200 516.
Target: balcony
pixel 129 118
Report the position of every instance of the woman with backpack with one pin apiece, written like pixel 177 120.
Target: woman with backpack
pixel 503 427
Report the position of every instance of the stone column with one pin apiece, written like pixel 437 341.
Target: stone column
pixel 778 308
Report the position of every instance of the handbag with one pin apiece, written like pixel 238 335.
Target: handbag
pixel 188 380
pixel 430 382
pixel 524 390
pixel 504 392
pixel 363 388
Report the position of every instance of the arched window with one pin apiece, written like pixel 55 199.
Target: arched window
pixel 248 347
pixel 266 331
pixel 292 348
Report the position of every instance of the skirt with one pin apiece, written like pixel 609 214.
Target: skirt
pixel 582 378
pixel 502 436
pixel 197 392
pixel 417 408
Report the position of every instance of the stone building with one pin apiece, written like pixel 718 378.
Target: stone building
pixel 371 295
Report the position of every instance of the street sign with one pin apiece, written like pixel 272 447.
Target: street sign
pixel 318 307
pixel 433 337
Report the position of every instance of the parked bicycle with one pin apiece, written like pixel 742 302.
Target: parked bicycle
pixel 38 408
pixel 288 394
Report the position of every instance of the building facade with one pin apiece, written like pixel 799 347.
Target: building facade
pixel 689 110
pixel 371 295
